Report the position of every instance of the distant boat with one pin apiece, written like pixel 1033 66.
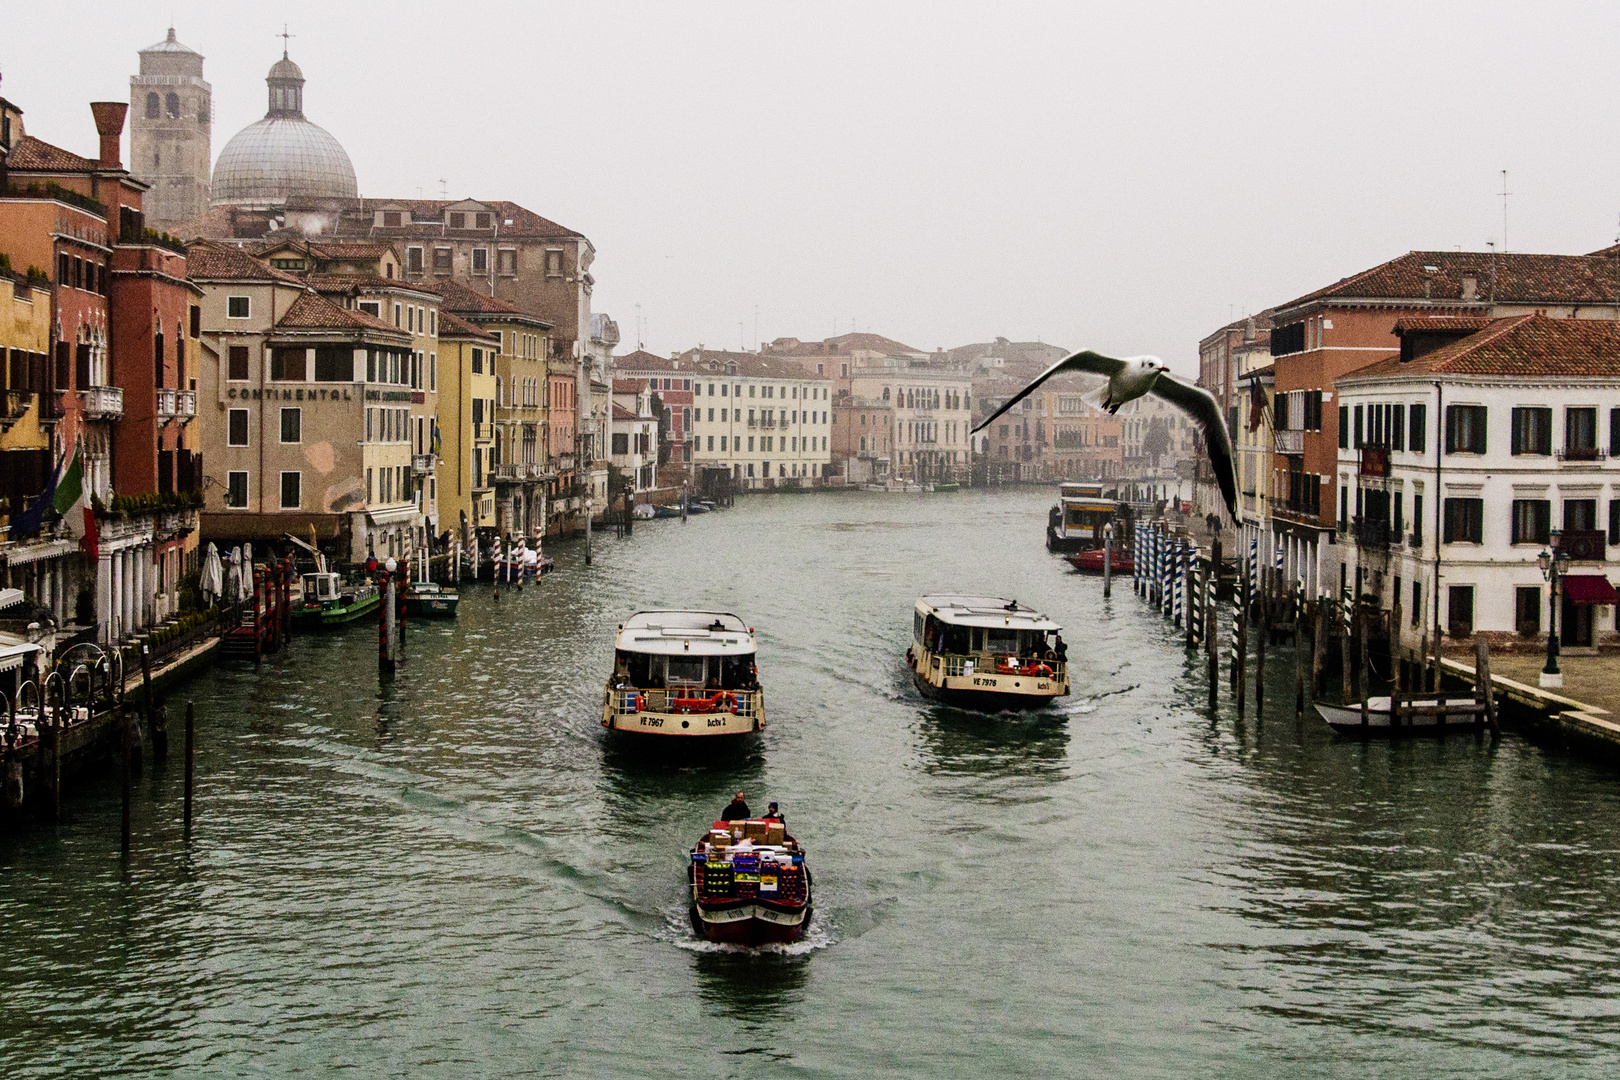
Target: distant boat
pixel 327 601
pixel 696 508
pixel 1091 562
pixel 643 512
pixel 666 511
pixel 1076 523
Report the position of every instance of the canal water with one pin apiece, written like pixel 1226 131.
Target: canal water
pixel 455 876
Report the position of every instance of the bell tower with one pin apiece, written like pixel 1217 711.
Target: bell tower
pixel 171 117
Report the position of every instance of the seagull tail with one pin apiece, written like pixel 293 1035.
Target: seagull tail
pixel 1098 398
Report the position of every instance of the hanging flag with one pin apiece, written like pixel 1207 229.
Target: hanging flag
pixel 72 502
pixel 33 513
pixel 436 444
pixel 1257 405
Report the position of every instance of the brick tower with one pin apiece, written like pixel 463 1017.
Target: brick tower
pixel 170 109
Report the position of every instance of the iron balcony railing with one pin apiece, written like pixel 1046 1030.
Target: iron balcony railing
pixel 1374 534
pixel 18 402
pixel 1581 453
pixel 1290 442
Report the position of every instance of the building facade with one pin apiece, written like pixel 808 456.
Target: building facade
pixel 772 418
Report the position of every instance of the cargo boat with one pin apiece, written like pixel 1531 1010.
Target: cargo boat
pixel 329 601
pixel 1076 523
pixel 984 652
pixel 758 893
pixel 684 675
pixel 430 600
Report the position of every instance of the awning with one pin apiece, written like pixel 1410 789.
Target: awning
pixel 1589 589
pixel 11 597
pixel 12 656
pixel 27 553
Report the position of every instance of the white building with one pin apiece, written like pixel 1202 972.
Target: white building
pixel 767 419
pixel 1465 457
pixel 931 415
pixel 635 434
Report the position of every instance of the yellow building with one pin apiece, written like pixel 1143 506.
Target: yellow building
pixel 25 346
pixel 466 396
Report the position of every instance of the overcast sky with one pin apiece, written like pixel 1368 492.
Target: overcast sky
pixel 1120 176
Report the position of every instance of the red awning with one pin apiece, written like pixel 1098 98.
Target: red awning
pixel 1589 589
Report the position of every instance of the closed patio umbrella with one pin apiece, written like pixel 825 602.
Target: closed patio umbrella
pixel 211 582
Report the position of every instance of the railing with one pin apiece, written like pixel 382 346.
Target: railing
pixel 165 404
pixel 185 404
pixel 1290 442
pixel 1581 453
pixel 625 700
pixel 1373 534
pixel 103 402
pixel 565 462
pixel 421 464
pixel 17 404
pixel 213 623
pixel 508 471
pixel 991 665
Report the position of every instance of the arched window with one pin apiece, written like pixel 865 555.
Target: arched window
pixel 173 103
pixel 885 393
pixel 152 106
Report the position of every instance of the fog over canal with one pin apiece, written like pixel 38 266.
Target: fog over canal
pixel 457 877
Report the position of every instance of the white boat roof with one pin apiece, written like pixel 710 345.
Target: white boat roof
pixel 993 611
pixel 685 633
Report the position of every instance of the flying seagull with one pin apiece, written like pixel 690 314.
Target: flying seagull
pixel 1129 380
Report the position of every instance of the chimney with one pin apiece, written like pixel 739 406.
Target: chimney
pixel 110 125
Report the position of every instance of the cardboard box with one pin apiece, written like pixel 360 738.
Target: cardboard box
pixel 775 832
pixel 755 830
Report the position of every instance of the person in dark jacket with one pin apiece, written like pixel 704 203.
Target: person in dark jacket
pixel 736 810
pixel 773 814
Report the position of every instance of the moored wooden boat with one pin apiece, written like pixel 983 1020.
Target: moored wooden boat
pixel 749 884
pixel 329 601
pixel 1091 562
pixel 430 600
pixel 1434 714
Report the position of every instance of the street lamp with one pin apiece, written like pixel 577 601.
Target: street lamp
pixel 1553 564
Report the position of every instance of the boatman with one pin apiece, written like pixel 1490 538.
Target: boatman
pixel 736 810
pixel 773 814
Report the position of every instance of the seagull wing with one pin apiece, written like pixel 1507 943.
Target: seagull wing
pixel 1095 363
pixel 1197 403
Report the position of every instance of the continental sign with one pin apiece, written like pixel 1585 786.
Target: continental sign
pixel 300 394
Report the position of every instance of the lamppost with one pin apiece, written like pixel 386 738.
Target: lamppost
pixel 1553 564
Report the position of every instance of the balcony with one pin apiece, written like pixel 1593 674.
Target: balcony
pixel 565 462
pixel 103 402
pixel 1291 442
pixel 185 405
pixel 17 404
pixel 1583 545
pixel 1374 534
pixel 1581 455
pixel 509 472
pixel 166 404
pixel 422 464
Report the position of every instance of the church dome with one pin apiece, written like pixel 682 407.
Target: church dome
pixel 283 157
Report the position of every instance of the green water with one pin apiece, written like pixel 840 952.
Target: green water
pixel 457 877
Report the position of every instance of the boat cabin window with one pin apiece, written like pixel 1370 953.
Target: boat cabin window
pixel 651 672
pixel 320 587
pixel 684 670
pixel 1001 641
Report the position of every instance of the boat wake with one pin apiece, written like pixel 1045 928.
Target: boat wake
pixel 677 931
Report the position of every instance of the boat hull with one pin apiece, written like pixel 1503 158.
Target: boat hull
pixel 671 726
pixel 750 923
pixel 1347 720
pixel 1064 545
pixel 1091 561
pixel 995 692
pixel 432 607
pixel 310 617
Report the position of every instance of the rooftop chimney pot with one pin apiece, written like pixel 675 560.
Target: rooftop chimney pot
pixel 110 126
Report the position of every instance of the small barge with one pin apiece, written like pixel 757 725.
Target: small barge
pixel 430 600
pixel 329 601
pixel 749 884
pixel 684 675
pixel 984 652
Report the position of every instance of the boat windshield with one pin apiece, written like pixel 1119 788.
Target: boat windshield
pixel 651 671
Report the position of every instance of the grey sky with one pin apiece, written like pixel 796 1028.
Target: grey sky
pixel 1118 176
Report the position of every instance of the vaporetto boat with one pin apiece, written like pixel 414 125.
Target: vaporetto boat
pixel 985 652
pixel 684 674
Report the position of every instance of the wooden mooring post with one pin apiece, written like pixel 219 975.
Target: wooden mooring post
pixel 1240 657
pixel 1265 632
pixel 1346 656
pixel 1319 641
pixel 1108 561
pixel 191 724
pixel 1396 682
pixel 1363 682
pixel 124 736
pixel 1484 693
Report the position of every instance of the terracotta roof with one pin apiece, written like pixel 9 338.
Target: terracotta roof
pixel 350 250
pixel 468 301
pixel 312 311
pixel 1525 346
pixel 429 218
pixel 218 262
pixel 622 413
pixel 629 386
pixel 363 282
pixel 714 361
pixel 36 154
pixel 452 325
pixel 842 345
pixel 1519 279
pixel 1441 324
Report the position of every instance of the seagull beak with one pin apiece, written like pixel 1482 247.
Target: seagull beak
pixel 1163 368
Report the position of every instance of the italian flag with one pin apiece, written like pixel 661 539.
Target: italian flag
pixel 71 502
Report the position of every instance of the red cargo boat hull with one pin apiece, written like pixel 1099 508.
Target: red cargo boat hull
pixel 1091 562
pixel 728 925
